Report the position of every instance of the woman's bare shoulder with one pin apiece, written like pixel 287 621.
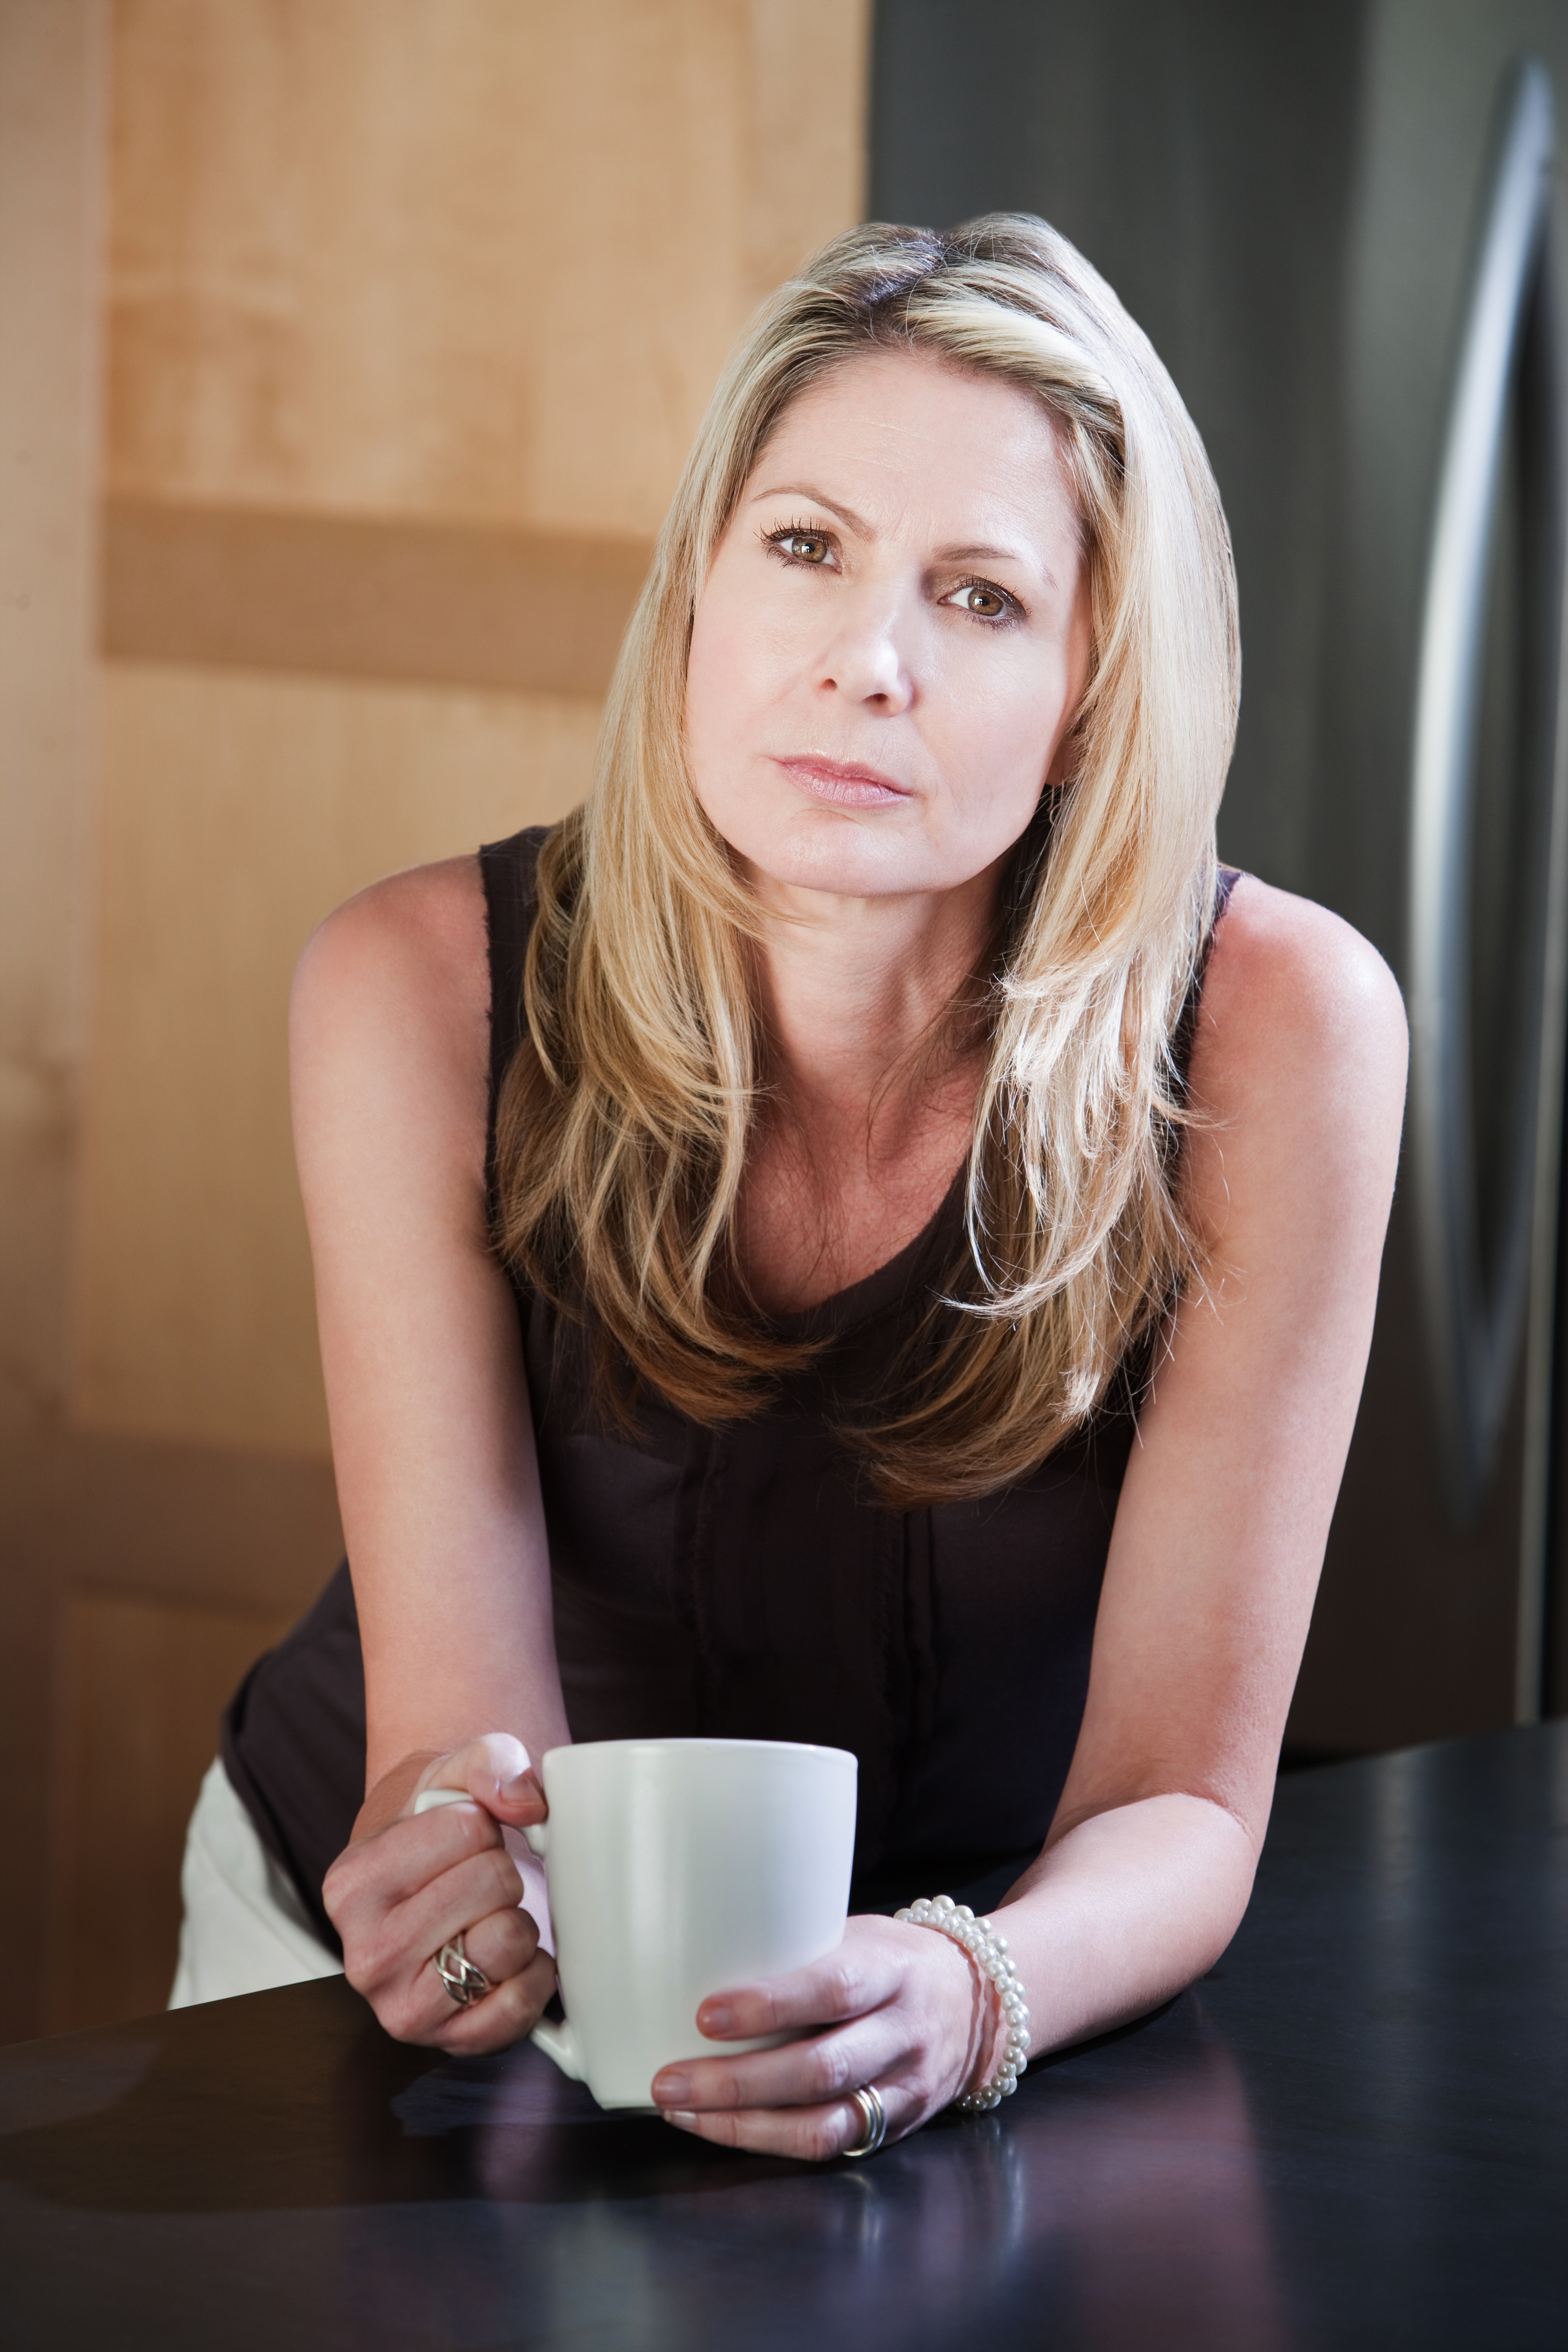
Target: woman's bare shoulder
pixel 428 922
pixel 1298 1081
pixel 390 1012
pixel 1291 991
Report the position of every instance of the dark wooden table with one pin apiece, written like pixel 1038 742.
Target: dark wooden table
pixel 1353 2133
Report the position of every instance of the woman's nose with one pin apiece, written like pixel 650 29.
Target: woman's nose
pixel 868 659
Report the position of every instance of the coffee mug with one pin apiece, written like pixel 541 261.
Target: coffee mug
pixel 679 1868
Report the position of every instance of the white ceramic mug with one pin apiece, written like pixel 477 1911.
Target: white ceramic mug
pixel 679 1868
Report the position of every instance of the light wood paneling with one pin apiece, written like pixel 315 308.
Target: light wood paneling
pixel 478 261
pixel 141 1682
pixel 414 309
pixel 236 811
pixel 458 274
pixel 231 1527
pixel 50 123
pixel 807 89
pixel 357 598
pixel 52 174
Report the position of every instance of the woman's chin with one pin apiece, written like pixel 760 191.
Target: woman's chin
pixel 847 861
pixel 841 853
pixel 842 870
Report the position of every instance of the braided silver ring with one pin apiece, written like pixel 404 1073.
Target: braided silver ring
pixel 464 1979
pixel 867 2104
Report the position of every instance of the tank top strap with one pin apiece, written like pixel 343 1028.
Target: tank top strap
pixel 509 871
pixel 1185 1031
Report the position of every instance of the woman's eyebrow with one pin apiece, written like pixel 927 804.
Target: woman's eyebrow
pixel 812 498
pixel 991 555
pixel 1026 558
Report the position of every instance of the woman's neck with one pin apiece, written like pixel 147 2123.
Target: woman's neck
pixel 856 993
pixel 872 1087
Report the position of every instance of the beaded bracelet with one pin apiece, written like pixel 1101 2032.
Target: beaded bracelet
pixel 988 1947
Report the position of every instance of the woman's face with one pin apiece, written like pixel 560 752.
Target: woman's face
pixel 893 637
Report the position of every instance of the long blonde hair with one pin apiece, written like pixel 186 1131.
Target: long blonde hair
pixel 624 1122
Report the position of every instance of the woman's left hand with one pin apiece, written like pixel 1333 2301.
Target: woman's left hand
pixel 899 2007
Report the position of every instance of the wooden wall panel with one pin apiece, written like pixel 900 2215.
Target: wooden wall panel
pixel 236 810
pixel 412 309
pixel 445 603
pixel 52 59
pixel 807 90
pixel 51 122
pixel 451 275
pixel 140 1684
pixel 480 262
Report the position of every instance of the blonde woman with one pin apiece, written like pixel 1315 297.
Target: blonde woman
pixel 859 1234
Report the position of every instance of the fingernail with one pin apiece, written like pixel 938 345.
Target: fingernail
pixel 523 1784
pixel 717 2016
pixel 683 2118
pixel 671 2089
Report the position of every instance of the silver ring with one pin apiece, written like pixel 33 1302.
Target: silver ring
pixel 464 1979
pixel 867 2103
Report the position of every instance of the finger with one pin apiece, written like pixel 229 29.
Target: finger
pixel 860 1976
pixel 814 2135
pixel 400 1861
pixel 501 2017
pixel 497 1772
pixel 450 1904
pixel 502 1944
pixel 502 1948
pixel 807 2074
pixel 413 1998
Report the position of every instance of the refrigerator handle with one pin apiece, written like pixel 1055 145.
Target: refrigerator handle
pixel 1473 1341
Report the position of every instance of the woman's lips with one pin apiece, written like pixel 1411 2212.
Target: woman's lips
pixel 844 787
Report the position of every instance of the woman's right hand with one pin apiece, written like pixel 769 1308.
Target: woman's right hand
pixel 409 1884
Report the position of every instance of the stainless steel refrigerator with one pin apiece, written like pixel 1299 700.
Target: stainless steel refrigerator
pixel 1340 226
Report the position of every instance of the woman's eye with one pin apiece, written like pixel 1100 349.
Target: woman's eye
pixel 805 546
pixel 976 597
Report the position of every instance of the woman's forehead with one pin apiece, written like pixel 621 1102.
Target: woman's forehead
pixel 890 427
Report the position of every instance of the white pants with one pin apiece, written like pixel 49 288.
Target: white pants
pixel 245 1929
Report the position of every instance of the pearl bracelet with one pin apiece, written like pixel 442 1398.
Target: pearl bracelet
pixel 988 1949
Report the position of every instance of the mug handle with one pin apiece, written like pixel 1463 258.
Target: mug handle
pixel 557 2041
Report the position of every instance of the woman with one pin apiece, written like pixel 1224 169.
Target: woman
pixel 858 1234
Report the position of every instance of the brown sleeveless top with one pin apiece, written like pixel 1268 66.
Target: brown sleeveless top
pixel 736 1581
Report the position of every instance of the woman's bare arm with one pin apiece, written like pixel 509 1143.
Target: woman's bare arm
pixel 1298 1077
pixel 431 1434
pixel 433 1446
